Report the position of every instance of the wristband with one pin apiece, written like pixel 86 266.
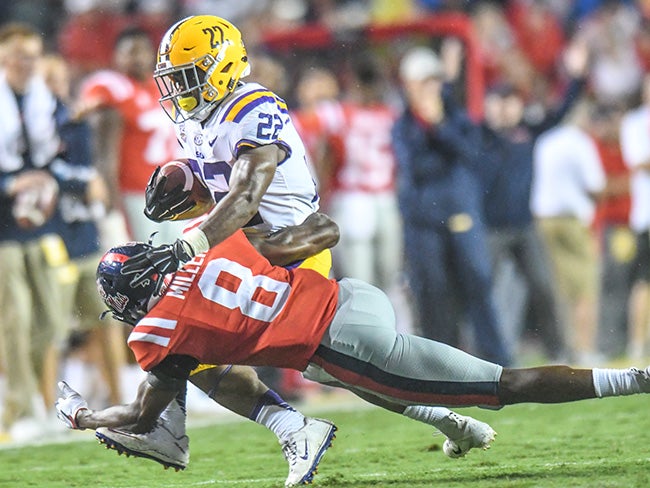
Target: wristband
pixel 76 423
pixel 197 240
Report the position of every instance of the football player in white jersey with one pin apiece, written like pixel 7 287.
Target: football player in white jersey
pixel 242 144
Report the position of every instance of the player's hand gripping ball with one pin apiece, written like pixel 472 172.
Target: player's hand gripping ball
pixel 174 192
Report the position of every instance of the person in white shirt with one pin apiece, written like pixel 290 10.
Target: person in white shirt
pixel 568 177
pixel 635 146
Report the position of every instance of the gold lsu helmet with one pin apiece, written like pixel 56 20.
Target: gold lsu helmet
pixel 200 60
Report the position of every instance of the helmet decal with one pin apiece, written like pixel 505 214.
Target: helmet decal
pixel 126 303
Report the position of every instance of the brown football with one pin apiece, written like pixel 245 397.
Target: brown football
pixel 179 172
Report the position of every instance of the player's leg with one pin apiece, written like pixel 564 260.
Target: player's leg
pixel 462 432
pixel 559 384
pixel 362 349
pixel 304 440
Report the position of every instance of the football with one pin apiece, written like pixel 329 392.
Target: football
pixel 179 172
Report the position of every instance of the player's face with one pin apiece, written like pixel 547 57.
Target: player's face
pixel 20 58
pixel 183 86
pixel 135 57
pixel 57 77
pixel 317 86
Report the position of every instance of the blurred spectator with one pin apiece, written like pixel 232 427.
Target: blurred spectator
pixel 131 134
pixel 568 177
pixel 436 146
pixel 87 37
pixel 532 20
pixel 495 39
pixel 92 27
pixel 154 16
pixel 617 240
pixel 390 12
pixel 317 92
pixel 508 139
pixel 359 178
pixel 270 73
pixel 635 145
pixel 83 199
pixel 32 254
pixel 610 32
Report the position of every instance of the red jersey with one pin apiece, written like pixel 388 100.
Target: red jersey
pixel 231 306
pixel 361 137
pixel 613 209
pixel 148 137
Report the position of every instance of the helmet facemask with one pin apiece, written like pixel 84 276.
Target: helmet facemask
pixel 188 89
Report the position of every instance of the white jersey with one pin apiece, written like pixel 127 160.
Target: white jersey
pixel 253 116
pixel 635 146
pixel 567 170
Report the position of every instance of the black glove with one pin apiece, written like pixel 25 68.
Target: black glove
pixel 161 204
pixel 159 261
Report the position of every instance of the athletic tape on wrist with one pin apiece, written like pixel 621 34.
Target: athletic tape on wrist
pixel 197 240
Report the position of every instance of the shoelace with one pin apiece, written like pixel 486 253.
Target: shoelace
pixel 290 451
pixel 460 424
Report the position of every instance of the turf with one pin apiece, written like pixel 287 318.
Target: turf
pixel 595 443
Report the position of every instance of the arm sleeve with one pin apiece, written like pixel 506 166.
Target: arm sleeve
pixel 575 88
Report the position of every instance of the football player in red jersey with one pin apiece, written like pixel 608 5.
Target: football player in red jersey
pixel 131 137
pixel 231 305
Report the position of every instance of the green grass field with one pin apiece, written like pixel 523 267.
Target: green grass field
pixel 596 443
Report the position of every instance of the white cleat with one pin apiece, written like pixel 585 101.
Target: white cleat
pixel 304 450
pixel 166 444
pixel 470 433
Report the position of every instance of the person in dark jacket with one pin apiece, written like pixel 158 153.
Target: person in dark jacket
pixel 447 259
pixel 508 137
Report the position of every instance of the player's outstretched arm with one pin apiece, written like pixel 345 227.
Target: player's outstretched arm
pixel 138 416
pixel 293 243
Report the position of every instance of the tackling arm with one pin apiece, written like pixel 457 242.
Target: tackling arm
pixel 290 244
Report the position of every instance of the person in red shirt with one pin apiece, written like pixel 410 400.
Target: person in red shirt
pixel 131 134
pixel 231 305
pixel 359 177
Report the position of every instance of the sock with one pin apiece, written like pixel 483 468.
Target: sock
pixel 275 414
pixel 436 416
pixel 615 382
